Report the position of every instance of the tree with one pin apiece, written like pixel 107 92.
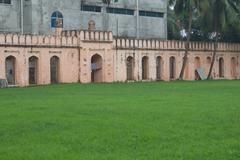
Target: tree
pixel 218 16
pixel 173 24
pixel 231 33
pixel 188 10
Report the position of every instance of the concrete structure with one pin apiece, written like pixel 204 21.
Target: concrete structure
pixel 95 56
pixel 10 20
pixel 125 18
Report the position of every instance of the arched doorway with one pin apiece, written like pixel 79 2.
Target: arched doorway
pixel 10 69
pixel 145 68
pixel 54 69
pixel 130 68
pixel 186 71
pixel 208 64
pixel 221 68
pixel 209 61
pixel 172 68
pixel 159 68
pixel 197 65
pixel 33 70
pixel 234 67
pixel 97 68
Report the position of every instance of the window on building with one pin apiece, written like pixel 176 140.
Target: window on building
pixel 57 20
pixel 5 1
pixel 91 8
pixel 120 11
pixel 151 14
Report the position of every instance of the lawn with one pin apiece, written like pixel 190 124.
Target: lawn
pixel 135 121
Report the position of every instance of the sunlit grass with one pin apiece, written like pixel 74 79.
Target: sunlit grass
pixel 143 121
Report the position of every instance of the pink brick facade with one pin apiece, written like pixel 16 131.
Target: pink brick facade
pixel 95 56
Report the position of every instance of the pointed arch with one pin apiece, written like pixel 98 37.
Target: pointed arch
pixel 54 69
pixel 10 70
pixel 197 65
pixel 234 68
pixel 197 62
pixel 208 62
pixel 221 68
pixel 145 68
pixel 96 68
pixel 130 68
pixel 186 72
pixel 33 70
pixel 159 68
pixel 172 68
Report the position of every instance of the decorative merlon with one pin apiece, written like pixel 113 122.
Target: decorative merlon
pixel 74 38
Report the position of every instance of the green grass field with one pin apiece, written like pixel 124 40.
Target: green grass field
pixel 135 121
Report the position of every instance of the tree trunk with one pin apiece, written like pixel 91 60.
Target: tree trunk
pixel 185 58
pixel 213 57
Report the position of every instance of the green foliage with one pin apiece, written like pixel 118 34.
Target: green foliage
pixel 231 32
pixel 183 9
pixel 173 26
pixel 186 11
pixel 145 121
pixel 220 14
pixel 209 16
